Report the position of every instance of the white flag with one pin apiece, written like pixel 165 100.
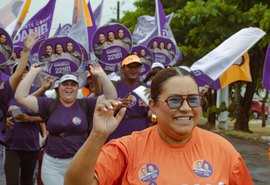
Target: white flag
pixel 222 57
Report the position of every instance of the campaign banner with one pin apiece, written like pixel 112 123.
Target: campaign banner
pixel 13 60
pixel 63 30
pixel 145 56
pixel 146 28
pixel 6 46
pixel 33 58
pixel 40 23
pixel 111 43
pixel 163 49
pixel 10 12
pixel 60 56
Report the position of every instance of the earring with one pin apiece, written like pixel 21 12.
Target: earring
pixel 153 118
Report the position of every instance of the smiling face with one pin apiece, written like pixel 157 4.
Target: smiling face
pixel 101 38
pixel 69 47
pixel 49 50
pixel 3 39
pixel 176 125
pixel 68 91
pixel 59 48
pixel 131 71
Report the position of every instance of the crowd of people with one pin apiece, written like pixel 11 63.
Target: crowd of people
pixel 105 132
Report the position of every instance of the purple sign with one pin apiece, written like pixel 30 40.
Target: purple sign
pixel 6 46
pixel 146 58
pixel 34 51
pixel 14 59
pixel 112 43
pixel 59 67
pixel 110 67
pixel 163 49
pixel 54 50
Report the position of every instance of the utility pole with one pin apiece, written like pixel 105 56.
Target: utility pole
pixel 118 11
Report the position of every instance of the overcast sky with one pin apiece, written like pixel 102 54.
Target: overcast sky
pixel 109 9
pixel 64 9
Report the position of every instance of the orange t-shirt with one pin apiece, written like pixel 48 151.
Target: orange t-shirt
pixel 144 158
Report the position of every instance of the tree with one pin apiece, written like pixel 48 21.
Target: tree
pixel 200 26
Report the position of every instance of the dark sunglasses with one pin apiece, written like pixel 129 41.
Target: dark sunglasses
pixel 176 101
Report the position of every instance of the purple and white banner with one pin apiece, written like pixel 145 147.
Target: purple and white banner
pixel 216 62
pixel 60 56
pixel 40 23
pixel 6 46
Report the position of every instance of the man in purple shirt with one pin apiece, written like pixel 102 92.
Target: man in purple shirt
pixel 135 118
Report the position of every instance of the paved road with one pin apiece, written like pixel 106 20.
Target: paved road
pixel 255 156
pixel 253 152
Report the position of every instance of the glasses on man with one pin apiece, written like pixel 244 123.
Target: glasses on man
pixel 176 101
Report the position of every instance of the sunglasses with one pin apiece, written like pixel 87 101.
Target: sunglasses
pixel 176 101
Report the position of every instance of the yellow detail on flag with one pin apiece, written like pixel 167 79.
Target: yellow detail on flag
pixel 88 17
pixel 24 11
pixel 236 72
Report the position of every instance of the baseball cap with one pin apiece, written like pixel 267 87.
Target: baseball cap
pixel 157 64
pixel 131 59
pixel 56 84
pixel 68 77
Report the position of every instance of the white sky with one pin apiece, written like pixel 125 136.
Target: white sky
pixel 64 9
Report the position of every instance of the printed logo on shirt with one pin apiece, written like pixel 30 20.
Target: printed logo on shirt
pixel 133 100
pixel 202 168
pixel 148 173
pixel 141 103
pixel 76 121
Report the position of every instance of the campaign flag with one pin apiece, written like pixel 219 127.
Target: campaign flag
pixel 148 27
pixel 13 14
pixel 91 27
pixel 160 17
pixel 266 70
pixel 98 13
pixel 81 20
pixel 240 70
pixel 214 64
pixel 62 31
pixel 41 23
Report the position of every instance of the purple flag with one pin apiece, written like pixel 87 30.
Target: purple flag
pixel 266 70
pixel 80 22
pixel 98 13
pixel 160 17
pixel 91 28
pixel 41 23
pixel 146 29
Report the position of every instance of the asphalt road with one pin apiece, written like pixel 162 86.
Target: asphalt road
pixel 253 152
pixel 255 155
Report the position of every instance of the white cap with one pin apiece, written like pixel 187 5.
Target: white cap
pixel 68 77
pixel 185 68
pixel 56 84
pixel 157 64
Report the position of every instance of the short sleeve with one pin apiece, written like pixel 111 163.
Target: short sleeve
pixel 111 164
pixel 240 174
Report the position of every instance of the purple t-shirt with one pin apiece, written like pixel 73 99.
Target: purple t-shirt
pixel 72 121
pixel 6 93
pixel 135 118
pixel 25 135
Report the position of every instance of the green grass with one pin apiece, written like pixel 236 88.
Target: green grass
pixel 257 129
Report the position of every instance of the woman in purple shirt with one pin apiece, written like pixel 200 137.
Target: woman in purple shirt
pixel 68 125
